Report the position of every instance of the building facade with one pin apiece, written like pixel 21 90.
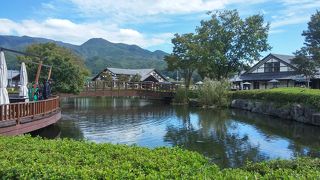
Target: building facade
pixel 145 74
pixel 274 70
pixel 13 78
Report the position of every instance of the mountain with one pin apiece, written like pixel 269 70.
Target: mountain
pixel 98 53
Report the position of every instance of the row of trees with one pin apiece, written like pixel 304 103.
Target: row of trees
pixel 220 46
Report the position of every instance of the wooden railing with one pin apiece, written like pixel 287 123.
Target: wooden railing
pixel 21 110
pixel 149 86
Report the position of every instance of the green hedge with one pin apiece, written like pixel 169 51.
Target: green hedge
pixel 24 157
pixel 282 95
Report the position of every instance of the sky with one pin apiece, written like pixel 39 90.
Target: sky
pixel 150 24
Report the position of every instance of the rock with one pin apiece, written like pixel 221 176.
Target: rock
pixel 316 119
pixel 194 103
pixel 297 112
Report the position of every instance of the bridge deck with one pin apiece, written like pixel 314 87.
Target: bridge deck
pixel 138 89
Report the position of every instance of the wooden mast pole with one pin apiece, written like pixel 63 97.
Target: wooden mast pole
pixel 49 74
pixel 37 79
pixel 38 73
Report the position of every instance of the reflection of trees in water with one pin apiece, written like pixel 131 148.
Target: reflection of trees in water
pixel 50 132
pixel 214 135
pixel 62 129
pixel 213 138
pixel 70 129
pixel 303 139
pixel 115 113
pixel 83 104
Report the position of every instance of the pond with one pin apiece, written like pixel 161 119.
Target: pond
pixel 228 137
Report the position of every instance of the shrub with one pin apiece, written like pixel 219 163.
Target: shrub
pixel 214 93
pixel 181 96
pixel 282 95
pixel 24 157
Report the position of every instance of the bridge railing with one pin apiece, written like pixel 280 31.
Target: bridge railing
pixel 143 86
pixel 18 111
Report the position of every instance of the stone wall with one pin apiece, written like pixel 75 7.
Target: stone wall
pixel 297 112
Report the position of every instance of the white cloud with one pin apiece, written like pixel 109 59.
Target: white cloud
pixel 68 31
pixel 142 10
pixel 294 12
pixel 145 7
pixel 117 21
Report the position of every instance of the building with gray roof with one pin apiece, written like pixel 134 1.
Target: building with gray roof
pixel 13 78
pixel 274 68
pixel 145 74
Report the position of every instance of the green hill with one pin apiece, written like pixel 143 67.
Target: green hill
pixel 98 53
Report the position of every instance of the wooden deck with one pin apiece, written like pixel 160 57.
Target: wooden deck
pixel 24 117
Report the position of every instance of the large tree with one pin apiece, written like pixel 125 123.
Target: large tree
pixel 136 78
pixel 185 56
pixel 68 70
pixel 304 64
pixel 106 76
pixel 307 59
pixel 312 37
pixel 229 43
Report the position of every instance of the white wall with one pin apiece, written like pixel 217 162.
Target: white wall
pixel 283 67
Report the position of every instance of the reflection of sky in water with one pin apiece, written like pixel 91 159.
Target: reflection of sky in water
pixel 274 147
pixel 228 137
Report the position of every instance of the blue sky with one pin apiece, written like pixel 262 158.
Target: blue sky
pixel 148 23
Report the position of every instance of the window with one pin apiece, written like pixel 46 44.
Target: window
pixel 272 67
pixel 256 85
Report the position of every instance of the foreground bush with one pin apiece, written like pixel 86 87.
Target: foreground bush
pixel 214 93
pixel 282 95
pixel 25 157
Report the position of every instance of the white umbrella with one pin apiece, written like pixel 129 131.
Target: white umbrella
pixel 23 92
pixel 4 98
pixel 273 81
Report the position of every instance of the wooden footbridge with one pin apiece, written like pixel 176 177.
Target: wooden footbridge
pixel 23 117
pixel 150 90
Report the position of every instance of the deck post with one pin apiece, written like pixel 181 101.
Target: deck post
pixel 33 110
pixel 1 112
pixel 18 114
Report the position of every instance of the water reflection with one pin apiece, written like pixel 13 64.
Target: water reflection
pixel 228 137
pixel 213 134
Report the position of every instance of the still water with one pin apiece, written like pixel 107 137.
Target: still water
pixel 228 137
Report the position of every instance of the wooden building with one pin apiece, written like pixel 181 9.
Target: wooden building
pixel 274 70
pixel 151 75
pixel 13 78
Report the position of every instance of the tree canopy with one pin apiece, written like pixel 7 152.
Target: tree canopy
pixel 228 42
pixel 185 56
pixel 221 46
pixel 122 78
pixel 307 59
pixel 312 37
pixel 68 70
pixel 106 76
pixel 136 78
